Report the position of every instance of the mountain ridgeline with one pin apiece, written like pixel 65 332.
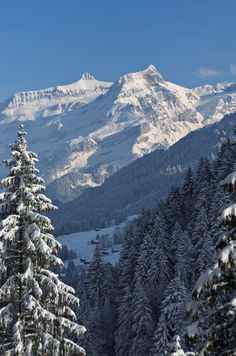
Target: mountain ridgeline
pixel 88 130
pixel 143 183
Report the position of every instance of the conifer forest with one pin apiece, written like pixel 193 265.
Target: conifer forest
pixel 172 292
pixel 117 178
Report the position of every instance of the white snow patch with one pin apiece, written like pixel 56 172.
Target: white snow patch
pixel 230 179
pixel 82 242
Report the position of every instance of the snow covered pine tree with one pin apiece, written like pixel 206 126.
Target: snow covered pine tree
pixel 36 308
pixel 214 298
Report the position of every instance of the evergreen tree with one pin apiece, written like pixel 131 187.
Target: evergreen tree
pixel 36 308
pixel 161 269
pixel 142 329
pixel 127 260
pixel 204 247
pixel 174 238
pixel 98 306
pixel 124 324
pixel 109 308
pixel 203 179
pixel 108 323
pixel 95 278
pixel 175 208
pixel 184 256
pixel 144 261
pixel 172 316
pixel 187 196
pixel 128 263
pixel 91 317
pixel 220 198
pixel 213 330
pixel 72 274
pixel 225 160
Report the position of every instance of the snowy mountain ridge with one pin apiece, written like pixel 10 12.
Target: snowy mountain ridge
pixel 53 101
pixel 87 130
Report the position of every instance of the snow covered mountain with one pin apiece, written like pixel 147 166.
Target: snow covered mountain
pixel 87 130
pixel 214 102
pixel 142 183
pixel 52 101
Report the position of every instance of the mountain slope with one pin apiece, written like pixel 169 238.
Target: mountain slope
pixel 142 183
pixel 52 101
pixel 216 101
pixel 88 130
pixel 138 114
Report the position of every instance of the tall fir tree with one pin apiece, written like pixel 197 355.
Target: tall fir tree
pixel 187 196
pixel 204 244
pixel 184 256
pixel 175 208
pixel 142 328
pixel 172 316
pixel 36 309
pixel 213 306
pixel 144 261
pixel 161 269
pixel 95 277
pixel 124 324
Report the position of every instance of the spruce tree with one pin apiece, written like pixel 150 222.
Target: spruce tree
pixel 72 274
pixel 36 309
pixel 187 196
pixel 172 316
pixel 127 260
pixel 109 308
pixel 224 162
pixel 95 277
pixel 124 324
pixel 213 306
pixel 161 268
pixel 184 256
pixel 144 261
pixel 142 329
pixel 204 245
pixel 93 341
pixel 220 198
pixel 175 208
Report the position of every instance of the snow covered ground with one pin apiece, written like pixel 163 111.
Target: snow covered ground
pixel 83 243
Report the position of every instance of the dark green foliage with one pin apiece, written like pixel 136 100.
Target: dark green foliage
pixel 139 305
pixel 213 331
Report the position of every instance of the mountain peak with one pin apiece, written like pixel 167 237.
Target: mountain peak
pixel 87 76
pixel 153 72
pixel 147 73
pixel 151 68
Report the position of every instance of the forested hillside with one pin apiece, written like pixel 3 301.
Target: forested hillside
pixel 138 307
pixel 143 183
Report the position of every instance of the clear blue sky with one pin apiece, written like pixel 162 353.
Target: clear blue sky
pixel 49 42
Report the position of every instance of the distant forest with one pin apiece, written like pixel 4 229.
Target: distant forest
pixel 138 307
pixel 141 184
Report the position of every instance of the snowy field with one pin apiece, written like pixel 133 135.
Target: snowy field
pixel 84 242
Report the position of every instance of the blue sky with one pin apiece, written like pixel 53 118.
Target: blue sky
pixel 49 42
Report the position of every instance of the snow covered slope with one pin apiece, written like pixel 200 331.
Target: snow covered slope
pixel 87 130
pixel 143 183
pixel 83 243
pixel 214 102
pixel 52 101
